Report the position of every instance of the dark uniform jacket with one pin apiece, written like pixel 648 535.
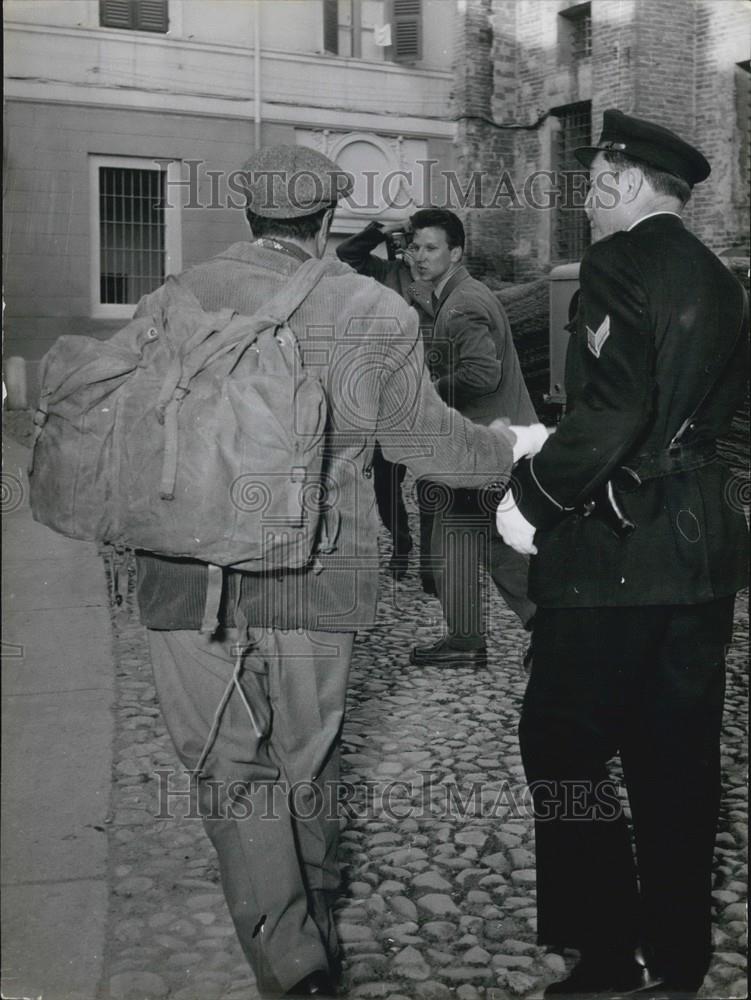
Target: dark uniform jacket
pixel 363 342
pixel 471 354
pixel 661 323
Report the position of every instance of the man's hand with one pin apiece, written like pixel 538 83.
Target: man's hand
pixel 502 426
pixel 514 528
pixel 388 228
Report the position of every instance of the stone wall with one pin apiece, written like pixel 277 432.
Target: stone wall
pixel 721 206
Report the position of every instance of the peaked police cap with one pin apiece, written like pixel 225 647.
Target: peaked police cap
pixel 647 142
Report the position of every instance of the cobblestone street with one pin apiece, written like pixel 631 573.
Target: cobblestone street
pixel 438 893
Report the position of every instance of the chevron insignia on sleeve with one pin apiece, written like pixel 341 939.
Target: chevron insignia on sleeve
pixel 596 338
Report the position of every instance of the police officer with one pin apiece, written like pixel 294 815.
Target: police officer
pixel 639 550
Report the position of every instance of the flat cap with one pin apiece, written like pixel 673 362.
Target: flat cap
pixel 287 182
pixel 647 142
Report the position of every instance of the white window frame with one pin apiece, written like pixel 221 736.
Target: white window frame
pixel 172 226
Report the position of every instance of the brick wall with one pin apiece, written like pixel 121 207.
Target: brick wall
pixel 614 57
pixel 720 213
pixel 481 149
pixel 673 61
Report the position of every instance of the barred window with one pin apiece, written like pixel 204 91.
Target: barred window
pixel 571 234
pixel 575 33
pixel 135 243
pixel 135 15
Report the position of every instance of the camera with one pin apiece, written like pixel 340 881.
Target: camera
pixel 397 243
pixel 400 239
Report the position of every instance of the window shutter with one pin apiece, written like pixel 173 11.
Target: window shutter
pixel 406 30
pixel 331 26
pixel 140 15
pixel 152 15
pixel 115 14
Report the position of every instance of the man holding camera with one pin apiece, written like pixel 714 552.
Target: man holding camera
pixel 475 368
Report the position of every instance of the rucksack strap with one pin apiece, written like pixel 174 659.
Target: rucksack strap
pixel 273 313
pixel 214 584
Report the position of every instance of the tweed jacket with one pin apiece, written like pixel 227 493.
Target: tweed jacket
pixel 660 344
pixel 362 341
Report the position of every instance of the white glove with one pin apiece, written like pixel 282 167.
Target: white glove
pixel 529 440
pixel 512 525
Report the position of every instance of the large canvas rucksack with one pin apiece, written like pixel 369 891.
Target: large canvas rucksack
pixel 187 433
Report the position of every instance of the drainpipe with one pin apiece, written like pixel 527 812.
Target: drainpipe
pixel 257 72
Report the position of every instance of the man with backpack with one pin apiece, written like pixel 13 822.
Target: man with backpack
pixel 258 706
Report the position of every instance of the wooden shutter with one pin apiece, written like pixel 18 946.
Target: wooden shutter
pixel 331 26
pixel 152 15
pixel 138 15
pixel 406 30
pixel 115 14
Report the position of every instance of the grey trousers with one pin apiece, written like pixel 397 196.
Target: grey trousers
pixel 267 790
pixel 464 541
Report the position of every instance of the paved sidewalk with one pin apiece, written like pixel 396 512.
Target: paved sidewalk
pixel 57 730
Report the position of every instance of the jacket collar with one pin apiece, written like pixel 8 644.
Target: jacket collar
pixel 421 292
pixel 460 274
pixel 260 256
pixel 282 246
pixel 664 216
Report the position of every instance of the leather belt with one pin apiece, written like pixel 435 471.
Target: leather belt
pixel 682 458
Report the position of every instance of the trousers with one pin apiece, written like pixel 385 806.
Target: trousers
pixel 464 540
pixel 267 790
pixel 646 683
pixel 387 483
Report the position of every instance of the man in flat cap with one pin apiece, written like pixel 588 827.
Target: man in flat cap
pixel 268 786
pixel 638 553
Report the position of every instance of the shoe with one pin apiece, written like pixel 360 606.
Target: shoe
pixel 596 978
pixel 441 652
pixel 315 984
pixel 668 988
pixel 398 566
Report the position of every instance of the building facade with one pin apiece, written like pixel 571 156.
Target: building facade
pixel 126 121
